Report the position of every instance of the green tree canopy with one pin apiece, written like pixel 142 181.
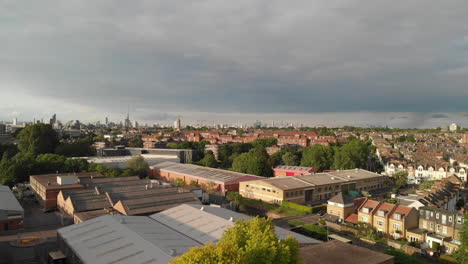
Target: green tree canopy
pixel 248 242
pixel 318 156
pixel 252 164
pixel 138 166
pixel 400 178
pixel 37 139
pixel 265 142
pixel 352 155
pixel 209 160
pixel 290 159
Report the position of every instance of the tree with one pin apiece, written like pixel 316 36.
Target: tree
pixel 461 255
pixel 352 155
pixel 80 148
pixel 400 179
pixel 249 242
pixel 318 156
pixel 138 166
pixel 16 169
pixel 9 148
pixel 251 164
pixel 50 163
pixel 290 159
pixel 209 160
pixel 37 139
pixel 136 142
pixel 265 142
pixel 426 185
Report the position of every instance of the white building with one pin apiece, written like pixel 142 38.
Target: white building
pixel 453 127
pixel 177 124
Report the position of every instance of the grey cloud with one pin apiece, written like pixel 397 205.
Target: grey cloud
pixel 439 116
pixel 237 56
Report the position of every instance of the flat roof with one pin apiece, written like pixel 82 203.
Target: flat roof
pixel 203 173
pixel 8 201
pixel 208 224
pixel 49 181
pixel 125 239
pixel 335 251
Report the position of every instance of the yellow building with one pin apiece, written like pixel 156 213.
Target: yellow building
pixel 311 188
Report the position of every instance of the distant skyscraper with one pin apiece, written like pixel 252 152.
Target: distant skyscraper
pixel 127 122
pixel 106 121
pixel 177 124
pixel 53 120
pixel 15 121
pixel 135 124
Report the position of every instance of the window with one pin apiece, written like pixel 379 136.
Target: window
pixel 365 219
pixel 381 213
pixel 437 215
pixel 247 185
pixel 365 210
pixel 431 225
pixel 444 229
pixel 424 224
pixel 437 228
pixel 450 219
pixel 428 214
pixel 444 219
pixel 396 226
pixel 432 214
pixel 459 220
pixel 397 216
pixel 379 223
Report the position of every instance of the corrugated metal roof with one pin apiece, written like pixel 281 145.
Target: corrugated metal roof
pixel 208 224
pixel 113 239
pixel 8 200
pixel 204 173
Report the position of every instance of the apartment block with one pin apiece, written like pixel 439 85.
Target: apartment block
pixel 311 188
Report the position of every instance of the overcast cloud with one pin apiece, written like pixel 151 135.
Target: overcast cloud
pixel 87 59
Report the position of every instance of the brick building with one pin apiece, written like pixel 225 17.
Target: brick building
pixel 11 212
pixel 46 187
pixel 215 179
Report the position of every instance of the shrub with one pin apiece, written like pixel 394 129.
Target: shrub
pixel 295 223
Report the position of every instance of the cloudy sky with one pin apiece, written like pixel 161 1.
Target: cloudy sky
pixel 90 59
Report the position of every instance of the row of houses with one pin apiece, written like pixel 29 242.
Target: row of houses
pixel 431 227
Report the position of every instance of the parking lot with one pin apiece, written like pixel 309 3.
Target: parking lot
pixel 36 224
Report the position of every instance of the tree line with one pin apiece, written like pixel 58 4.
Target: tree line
pixel 39 151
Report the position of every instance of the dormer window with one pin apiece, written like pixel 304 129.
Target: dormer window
pixel 365 210
pixel 381 213
pixel 397 216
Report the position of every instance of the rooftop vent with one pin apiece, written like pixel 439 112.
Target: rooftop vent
pixel 173 252
pixel 231 219
pixel 202 208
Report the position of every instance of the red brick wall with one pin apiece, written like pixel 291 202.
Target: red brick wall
pixel 13 224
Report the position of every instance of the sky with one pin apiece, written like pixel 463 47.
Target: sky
pixel 310 61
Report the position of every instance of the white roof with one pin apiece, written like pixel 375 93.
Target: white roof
pixel 135 239
pixel 8 201
pixel 208 224
pixel 117 239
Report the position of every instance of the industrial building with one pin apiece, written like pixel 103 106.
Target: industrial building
pixel 124 195
pixel 311 188
pixel 155 239
pixel 222 180
pixel 11 211
pixel 46 187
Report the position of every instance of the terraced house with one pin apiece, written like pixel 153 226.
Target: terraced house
pixel 440 228
pixel 388 218
pixel 311 188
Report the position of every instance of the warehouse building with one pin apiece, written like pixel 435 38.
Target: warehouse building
pixel 46 187
pixel 124 195
pixel 11 211
pixel 221 180
pixel 311 188
pixel 156 239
